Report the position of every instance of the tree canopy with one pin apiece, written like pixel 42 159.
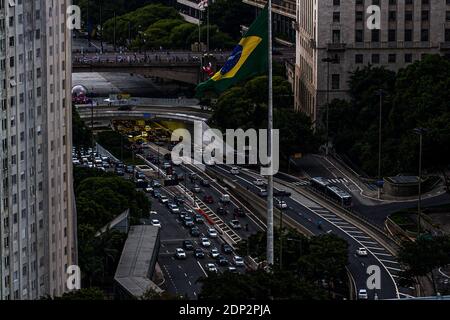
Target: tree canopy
pixel 417 96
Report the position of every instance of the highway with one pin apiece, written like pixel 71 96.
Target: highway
pixel 308 213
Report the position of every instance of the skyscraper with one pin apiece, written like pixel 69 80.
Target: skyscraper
pixel 37 229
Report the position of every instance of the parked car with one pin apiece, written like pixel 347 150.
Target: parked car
pixel 222 261
pixel 148 189
pixel 197 188
pixel 180 254
pixel 362 294
pixel 173 208
pixel 156 193
pixel 119 172
pixel 232 269
pixel 188 222
pixel 195 231
pixel 179 200
pixel 198 218
pixel 163 199
pixel 129 169
pixel 155 183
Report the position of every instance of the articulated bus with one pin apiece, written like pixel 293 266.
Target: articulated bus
pixel 323 185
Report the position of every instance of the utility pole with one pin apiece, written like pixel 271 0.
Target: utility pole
pixel 281 232
pixel 269 144
pixel 380 93
pixel 420 132
pixel 101 27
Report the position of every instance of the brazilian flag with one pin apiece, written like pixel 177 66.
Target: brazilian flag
pixel 249 58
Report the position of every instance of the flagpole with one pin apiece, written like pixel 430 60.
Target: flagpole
pixel 270 253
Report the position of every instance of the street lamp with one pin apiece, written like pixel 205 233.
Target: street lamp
pixel 420 132
pixel 380 93
pixel 282 194
pixel 328 60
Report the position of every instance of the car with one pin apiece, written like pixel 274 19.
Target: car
pixel 166 165
pixel 195 231
pixel 204 182
pixel 362 252
pixel 129 169
pixel 155 223
pixel 234 170
pixel 198 218
pixel 212 233
pixel 362 294
pixel 173 208
pixel 238 261
pixel 239 212
pixel 105 165
pixel 222 210
pixel 197 189
pixel 205 242
pixel 222 261
pixel 148 189
pixel 140 175
pixel 259 182
pixel 232 269
pixel 188 222
pixel 214 253
pixel 152 212
pixel 156 193
pixel 179 200
pixel 235 224
pixel 163 199
pixel 119 172
pixel 76 162
pixel 208 199
pixel 180 254
pixel 188 245
pixel 211 267
pixel 262 193
pixel 155 183
pixel 226 248
pixel 199 253
pixel 193 176
pixel 280 204
pixel 225 198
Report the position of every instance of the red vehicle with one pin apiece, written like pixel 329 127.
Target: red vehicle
pixel 208 199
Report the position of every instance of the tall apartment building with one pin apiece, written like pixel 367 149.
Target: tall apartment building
pixel 338 29
pixel 283 17
pixel 37 225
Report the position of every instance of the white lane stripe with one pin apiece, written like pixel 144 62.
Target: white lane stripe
pixel 362 237
pixel 391 268
pixel 383 254
pixel 370 242
pixel 198 262
pixel 390 261
pixel 376 248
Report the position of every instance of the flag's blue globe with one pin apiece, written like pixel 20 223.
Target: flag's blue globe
pixel 232 60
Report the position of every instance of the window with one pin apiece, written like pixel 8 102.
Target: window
pixel 375 58
pixel 336 16
pixel 392 35
pixel 335 81
pixel 424 35
pixel 392 58
pixel 359 58
pixel 375 35
pixel 408 35
pixel 359 35
pixel 408 58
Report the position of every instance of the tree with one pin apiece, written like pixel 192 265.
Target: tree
pixel 424 255
pixel 83 294
pixel 81 134
pixel 229 15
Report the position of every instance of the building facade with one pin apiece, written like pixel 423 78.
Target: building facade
pixel 283 17
pixel 37 217
pixel 337 30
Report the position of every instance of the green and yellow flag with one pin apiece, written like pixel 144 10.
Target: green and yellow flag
pixel 249 58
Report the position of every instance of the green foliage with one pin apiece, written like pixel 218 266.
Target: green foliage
pixel 229 15
pixel 259 285
pixel 417 96
pixel 118 145
pixel 424 255
pixel 82 294
pixel 246 107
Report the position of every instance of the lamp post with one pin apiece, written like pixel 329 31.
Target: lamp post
pixel 420 132
pixel 380 93
pixel 328 60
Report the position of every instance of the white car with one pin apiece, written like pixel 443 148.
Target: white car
pixel 238 261
pixel 215 253
pixel 156 223
pixel 362 294
pixel 180 254
pixel 163 199
pixel 280 204
pixel 211 267
pixel 174 208
pixel 153 212
pixel 212 233
pixel 258 182
pixel 205 242
pixel 362 252
pixel 235 224
pixel 234 170
pixel 148 189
